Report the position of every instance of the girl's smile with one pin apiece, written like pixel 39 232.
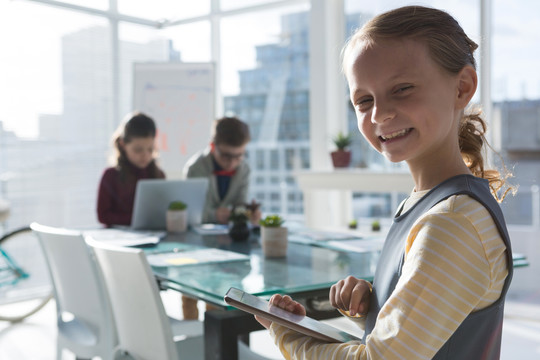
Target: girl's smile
pixel 395 135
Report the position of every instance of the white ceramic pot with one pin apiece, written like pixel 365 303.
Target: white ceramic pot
pixel 176 220
pixel 274 241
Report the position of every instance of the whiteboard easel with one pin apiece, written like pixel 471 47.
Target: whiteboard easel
pixel 180 98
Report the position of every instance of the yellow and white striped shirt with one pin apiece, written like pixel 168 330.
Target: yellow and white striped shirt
pixel 455 264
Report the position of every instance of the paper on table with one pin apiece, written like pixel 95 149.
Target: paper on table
pixel 212 229
pixel 190 257
pixel 121 237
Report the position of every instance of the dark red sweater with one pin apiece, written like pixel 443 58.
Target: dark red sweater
pixel 116 197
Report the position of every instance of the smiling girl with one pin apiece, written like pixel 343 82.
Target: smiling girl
pixel 440 284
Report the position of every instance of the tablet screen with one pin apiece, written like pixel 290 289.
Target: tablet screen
pixel 303 324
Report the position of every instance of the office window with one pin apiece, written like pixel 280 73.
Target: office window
pixel 515 71
pixel 235 4
pixel 164 9
pixel 261 78
pixel 56 114
pixel 290 159
pixel 192 48
pixel 274 160
pixel 259 159
pixel 304 157
pixel 96 4
pixel 516 104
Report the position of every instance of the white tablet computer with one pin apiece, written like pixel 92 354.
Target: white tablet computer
pixel 153 196
pixel 304 324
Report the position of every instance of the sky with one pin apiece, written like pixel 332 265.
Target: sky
pixel 31 69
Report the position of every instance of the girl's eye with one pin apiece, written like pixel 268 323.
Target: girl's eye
pixel 363 104
pixel 403 88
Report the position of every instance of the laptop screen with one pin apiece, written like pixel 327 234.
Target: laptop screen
pixel 153 196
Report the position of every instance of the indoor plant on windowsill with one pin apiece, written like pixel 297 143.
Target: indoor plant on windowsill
pixel 341 157
pixel 238 228
pixel 177 216
pixel 273 236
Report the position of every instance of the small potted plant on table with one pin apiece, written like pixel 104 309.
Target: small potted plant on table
pixel 273 236
pixel 341 157
pixel 177 216
pixel 376 225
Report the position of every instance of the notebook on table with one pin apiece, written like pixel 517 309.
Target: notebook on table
pixel 153 196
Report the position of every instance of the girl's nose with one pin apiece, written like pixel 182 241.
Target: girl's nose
pixel 382 112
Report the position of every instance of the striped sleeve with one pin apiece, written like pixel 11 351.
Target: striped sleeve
pixel 455 264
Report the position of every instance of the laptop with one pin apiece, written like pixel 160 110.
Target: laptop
pixel 153 196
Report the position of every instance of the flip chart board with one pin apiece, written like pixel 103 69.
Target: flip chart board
pixel 180 98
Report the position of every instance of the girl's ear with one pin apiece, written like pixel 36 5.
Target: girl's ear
pixel 467 83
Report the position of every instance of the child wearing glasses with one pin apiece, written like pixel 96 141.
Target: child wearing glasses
pixel 224 165
pixel 134 144
pixel 446 265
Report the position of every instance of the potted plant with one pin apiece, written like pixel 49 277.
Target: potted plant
pixel 342 156
pixel 177 216
pixel 273 236
pixel 239 230
pixel 353 224
pixel 375 225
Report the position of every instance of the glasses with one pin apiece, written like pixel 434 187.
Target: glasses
pixel 229 156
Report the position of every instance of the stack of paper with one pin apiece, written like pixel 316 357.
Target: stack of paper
pixel 121 237
pixel 198 256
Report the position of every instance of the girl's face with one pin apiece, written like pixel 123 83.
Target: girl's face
pixel 140 151
pixel 404 102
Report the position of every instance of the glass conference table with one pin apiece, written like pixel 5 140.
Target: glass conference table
pixel 314 262
pixel 311 266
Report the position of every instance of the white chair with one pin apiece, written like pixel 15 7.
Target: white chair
pixel 144 329
pixel 84 317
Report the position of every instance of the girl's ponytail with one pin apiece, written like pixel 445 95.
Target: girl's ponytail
pixel 472 140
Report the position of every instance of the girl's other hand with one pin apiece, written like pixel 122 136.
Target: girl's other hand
pixel 284 302
pixel 352 295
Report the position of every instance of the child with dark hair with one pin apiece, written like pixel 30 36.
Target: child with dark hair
pixel 224 165
pixel 134 144
pixel 228 174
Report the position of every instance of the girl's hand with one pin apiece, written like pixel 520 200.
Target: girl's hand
pixel 284 302
pixel 352 295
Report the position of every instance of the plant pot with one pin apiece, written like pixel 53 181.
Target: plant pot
pixel 341 158
pixel 239 231
pixel 176 220
pixel 274 241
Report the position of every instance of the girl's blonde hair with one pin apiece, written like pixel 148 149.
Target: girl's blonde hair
pixel 452 50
